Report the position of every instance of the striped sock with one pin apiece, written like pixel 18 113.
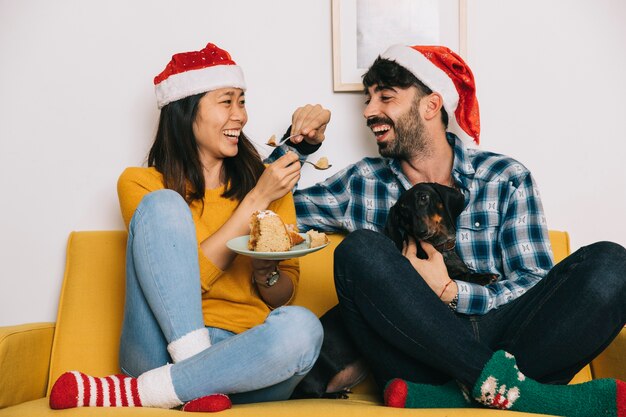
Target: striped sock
pixel 152 389
pixel 75 389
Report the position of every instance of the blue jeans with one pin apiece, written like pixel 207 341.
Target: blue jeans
pixel 163 303
pixel 403 329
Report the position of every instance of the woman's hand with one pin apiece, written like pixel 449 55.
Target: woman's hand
pixel 278 179
pixel 309 122
pixel 433 269
pixel 261 268
pixel 278 294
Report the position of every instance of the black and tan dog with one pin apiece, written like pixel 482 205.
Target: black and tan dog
pixel 428 212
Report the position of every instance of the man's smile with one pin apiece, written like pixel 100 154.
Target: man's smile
pixel 380 127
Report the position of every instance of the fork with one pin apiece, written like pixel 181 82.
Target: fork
pixel 283 140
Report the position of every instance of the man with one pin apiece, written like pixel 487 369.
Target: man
pixel 449 338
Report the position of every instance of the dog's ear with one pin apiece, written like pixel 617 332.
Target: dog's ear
pixel 392 227
pixel 453 200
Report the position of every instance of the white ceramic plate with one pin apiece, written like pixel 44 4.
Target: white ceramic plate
pixel 240 246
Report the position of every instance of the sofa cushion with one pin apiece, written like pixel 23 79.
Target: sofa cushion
pixel 358 406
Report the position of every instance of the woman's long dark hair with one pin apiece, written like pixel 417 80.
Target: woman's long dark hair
pixel 174 154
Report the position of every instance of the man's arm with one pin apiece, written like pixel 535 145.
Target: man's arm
pixel 303 149
pixel 323 205
pixel 308 123
pixel 524 249
pixel 326 206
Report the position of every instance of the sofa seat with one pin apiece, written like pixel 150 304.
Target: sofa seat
pixel 358 405
pixel 85 337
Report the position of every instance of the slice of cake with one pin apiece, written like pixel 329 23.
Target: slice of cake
pixel 317 238
pixel 268 233
pixel 294 235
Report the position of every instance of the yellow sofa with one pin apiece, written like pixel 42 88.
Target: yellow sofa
pixel 85 337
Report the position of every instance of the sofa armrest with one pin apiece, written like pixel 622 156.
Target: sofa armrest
pixel 24 362
pixel 612 362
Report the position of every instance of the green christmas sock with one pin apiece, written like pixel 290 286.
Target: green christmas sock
pixel 502 385
pixel 403 394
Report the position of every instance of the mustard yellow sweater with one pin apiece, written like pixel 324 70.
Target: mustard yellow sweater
pixel 229 299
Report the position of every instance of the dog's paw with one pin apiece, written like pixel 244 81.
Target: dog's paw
pixel 483 279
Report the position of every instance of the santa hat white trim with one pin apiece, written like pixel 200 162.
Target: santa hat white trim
pixel 191 82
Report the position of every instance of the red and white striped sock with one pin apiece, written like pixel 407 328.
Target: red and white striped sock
pixel 75 389
pixel 152 389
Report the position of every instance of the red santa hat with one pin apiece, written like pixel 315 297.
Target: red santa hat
pixel 196 72
pixel 444 72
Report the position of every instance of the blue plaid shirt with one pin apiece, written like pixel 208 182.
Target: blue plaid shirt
pixel 502 229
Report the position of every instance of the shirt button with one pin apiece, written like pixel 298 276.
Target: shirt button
pixel 477 224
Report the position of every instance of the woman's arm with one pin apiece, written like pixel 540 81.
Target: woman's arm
pixel 275 295
pixel 133 184
pixel 283 291
pixel 276 181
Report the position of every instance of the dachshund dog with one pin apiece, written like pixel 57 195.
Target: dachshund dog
pixel 428 212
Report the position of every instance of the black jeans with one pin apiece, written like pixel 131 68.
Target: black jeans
pixel 404 330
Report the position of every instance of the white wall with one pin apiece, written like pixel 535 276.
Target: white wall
pixel 77 106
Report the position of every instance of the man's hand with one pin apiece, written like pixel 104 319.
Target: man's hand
pixel 432 270
pixel 309 123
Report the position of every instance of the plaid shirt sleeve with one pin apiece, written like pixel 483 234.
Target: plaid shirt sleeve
pixel 282 149
pixel 520 247
pixel 357 197
pixel 324 206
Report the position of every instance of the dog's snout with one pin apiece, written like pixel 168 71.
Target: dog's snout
pixel 419 228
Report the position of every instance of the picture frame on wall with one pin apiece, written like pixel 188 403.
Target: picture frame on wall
pixel 363 29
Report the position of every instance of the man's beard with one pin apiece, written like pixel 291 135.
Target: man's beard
pixel 411 136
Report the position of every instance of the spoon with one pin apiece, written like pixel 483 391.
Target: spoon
pixel 321 164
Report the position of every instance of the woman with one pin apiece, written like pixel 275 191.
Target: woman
pixel 198 318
